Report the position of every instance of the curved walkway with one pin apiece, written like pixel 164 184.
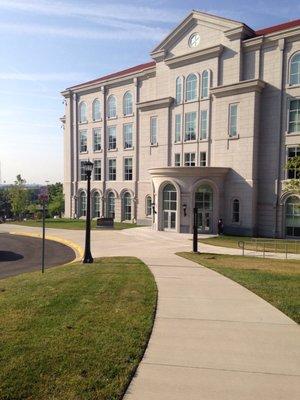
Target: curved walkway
pixel 212 338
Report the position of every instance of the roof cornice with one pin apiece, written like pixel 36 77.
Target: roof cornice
pixel 195 56
pixel 154 104
pixel 252 85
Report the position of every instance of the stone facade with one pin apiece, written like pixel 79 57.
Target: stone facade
pixel 234 85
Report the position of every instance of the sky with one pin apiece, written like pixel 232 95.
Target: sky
pixel 49 45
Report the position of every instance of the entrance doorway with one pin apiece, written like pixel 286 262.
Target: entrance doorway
pixel 169 207
pixel 204 205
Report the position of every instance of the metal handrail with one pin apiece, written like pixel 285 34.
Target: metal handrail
pixel 266 245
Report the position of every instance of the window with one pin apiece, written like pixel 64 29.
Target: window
pixel 191 87
pixel 148 206
pixel 236 211
pixel 127 206
pixel 82 112
pixel 127 104
pixel 295 70
pixel 153 130
pixel 178 96
pixel 169 207
pixel 82 170
pixel 202 158
pixel 189 159
pixel 83 141
pixel 97 139
pixel 205 84
pixel 110 211
pixel 294 116
pixel 112 169
pixel 128 169
pixel 127 136
pixel 96 110
pixel 82 204
pixel 96 205
pixel 204 125
pixel 111 107
pixel 177 128
pixel 177 160
pixel 190 126
pixel 292 216
pixel 112 137
pixel 97 170
pixel 233 120
pixel 293 173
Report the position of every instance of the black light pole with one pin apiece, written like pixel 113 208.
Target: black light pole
pixel 88 259
pixel 195 231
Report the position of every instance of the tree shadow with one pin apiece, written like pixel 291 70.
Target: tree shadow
pixel 9 256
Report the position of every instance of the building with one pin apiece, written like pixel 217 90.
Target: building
pixel 208 123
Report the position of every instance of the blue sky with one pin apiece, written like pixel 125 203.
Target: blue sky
pixel 46 46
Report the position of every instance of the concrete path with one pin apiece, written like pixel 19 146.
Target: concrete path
pixel 212 338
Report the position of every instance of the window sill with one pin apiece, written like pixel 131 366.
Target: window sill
pixel 191 101
pixel 287 134
pixel 178 142
pixel 190 141
pixel 98 151
pixel 97 120
pixel 128 148
pixel 83 122
pixel 289 86
pixel 83 152
pixel 128 115
pixel 236 137
pixel 112 118
pixel 112 150
pixel 154 145
pixel 203 140
pixel 204 98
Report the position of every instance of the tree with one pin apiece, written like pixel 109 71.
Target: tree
pixel 5 205
pixel 293 185
pixel 19 197
pixel 56 199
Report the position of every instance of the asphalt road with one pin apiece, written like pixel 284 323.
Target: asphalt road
pixel 20 254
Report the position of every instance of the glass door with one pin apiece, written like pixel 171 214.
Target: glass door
pixel 169 207
pixel 203 203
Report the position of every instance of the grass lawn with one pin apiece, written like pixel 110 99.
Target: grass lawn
pixel 65 223
pixel 276 281
pixel 76 332
pixel 232 241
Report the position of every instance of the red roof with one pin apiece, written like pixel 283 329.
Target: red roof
pixel 276 28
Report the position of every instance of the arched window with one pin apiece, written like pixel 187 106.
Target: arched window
pixel 236 211
pixel 127 103
pixel 148 206
pixel 96 110
pixel 295 70
pixel 82 204
pixel 82 112
pixel 191 87
pixel 169 207
pixel 96 205
pixel 127 212
pixel 178 95
pixel 111 107
pixel 292 216
pixel 205 84
pixel 111 205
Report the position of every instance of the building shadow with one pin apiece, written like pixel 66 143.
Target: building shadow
pixel 9 256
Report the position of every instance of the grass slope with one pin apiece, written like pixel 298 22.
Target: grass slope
pixel 76 332
pixel 276 281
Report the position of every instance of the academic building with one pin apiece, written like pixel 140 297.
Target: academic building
pixel 209 123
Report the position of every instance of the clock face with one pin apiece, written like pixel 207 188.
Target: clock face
pixel 194 40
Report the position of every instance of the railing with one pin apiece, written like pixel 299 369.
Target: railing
pixel 270 246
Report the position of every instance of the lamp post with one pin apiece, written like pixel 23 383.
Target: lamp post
pixel 88 259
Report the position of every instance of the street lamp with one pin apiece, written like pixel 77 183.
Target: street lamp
pixel 88 259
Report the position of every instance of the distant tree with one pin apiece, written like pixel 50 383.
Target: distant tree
pixel 5 204
pixel 18 197
pixel 293 185
pixel 56 199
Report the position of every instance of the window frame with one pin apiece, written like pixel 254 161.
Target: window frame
pixel 195 98
pixel 109 176
pixel 82 212
pixel 179 79
pixel 109 99
pixel 84 121
pixel 230 106
pixel 155 118
pixel 110 195
pixel 99 130
pixel 190 153
pixel 124 136
pixel 297 53
pixel 185 126
pixel 147 206
pixel 297 152
pixel 93 110
pixel 81 134
pixel 208 71
pixel 200 159
pixel 288 132
pixel 111 139
pixel 81 163
pixel 176 162
pixel 233 212
pixel 127 175
pixel 99 174
pixel 178 135
pixel 206 124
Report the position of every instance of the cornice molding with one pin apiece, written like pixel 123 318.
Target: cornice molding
pixel 154 104
pixel 201 172
pixel 209 52
pixel 253 85
pixel 240 32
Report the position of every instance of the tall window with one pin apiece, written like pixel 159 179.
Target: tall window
pixel 112 137
pixel 96 204
pixel 178 90
pixel 202 158
pixel 191 88
pixel 83 141
pixel 97 170
pixel 148 206
pixel 97 139
pixel 233 120
pixel 294 116
pixel 204 125
pixel 127 206
pixel 293 173
pixel 153 130
pixel 82 112
pixel 177 160
pixel 96 110
pixel 295 70
pixel 190 126
pixel 169 207
pixel 205 84
pixel 189 159
pixel 110 210
pixel 292 216
pixel 127 104
pixel 112 169
pixel 127 136
pixel 177 128
pixel 128 169
pixel 82 204
pixel 111 107
pixel 82 170
pixel 236 211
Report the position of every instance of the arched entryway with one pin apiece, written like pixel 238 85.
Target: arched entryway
pixel 96 200
pixel 127 207
pixel 292 216
pixel 169 207
pixel 204 205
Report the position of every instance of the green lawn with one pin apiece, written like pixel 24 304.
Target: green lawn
pixel 76 332
pixel 65 223
pixel 232 241
pixel 276 281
